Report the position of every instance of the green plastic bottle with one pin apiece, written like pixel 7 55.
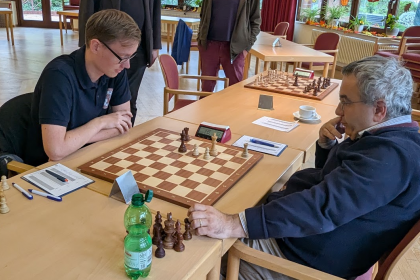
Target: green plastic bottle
pixel 138 243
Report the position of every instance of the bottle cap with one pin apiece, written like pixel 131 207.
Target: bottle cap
pixel 149 195
pixel 137 199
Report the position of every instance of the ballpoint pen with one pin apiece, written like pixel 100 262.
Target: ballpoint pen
pixel 59 177
pixel 25 193
pixel 52 197
pixel 255 141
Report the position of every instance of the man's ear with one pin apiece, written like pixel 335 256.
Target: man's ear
pixel 94 45
pixel 380 111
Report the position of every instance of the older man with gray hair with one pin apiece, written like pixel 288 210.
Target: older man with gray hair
pixel 362 197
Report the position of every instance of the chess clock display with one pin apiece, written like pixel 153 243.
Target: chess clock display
pixel 206 130
pixel 304 73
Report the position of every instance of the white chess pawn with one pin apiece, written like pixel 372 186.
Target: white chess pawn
pixel 245 152
pixel 213 150
pixel 195 151
pixel 207 154
pixel 3 206
pixel 4 183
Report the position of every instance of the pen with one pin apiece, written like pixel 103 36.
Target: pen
pixel 52 197
pixel 255 141
pixel 61 178
pixel 25 193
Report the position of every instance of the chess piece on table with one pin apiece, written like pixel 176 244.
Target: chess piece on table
pixel 157 229
pixel 182 148
pixel 313 84
pixel 179 246
pixel 160 252
pixel 187 234
pixel 168 242
pixel 315 93
pixel 286 82
pixel 324 84
pixel 186 136
pixel 206 154
pixel 4 183
pixel 3 206
pixel 296 84
pixel 245 151
pixel 213 150
pixel 195 151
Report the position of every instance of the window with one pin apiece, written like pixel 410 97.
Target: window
pixel 407 14
pixel 374 12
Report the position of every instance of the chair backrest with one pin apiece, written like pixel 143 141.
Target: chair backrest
pixel 386 266
pixel 413 31
pixel 75 2
pixel 169 71
pixel 327 41
pixel 281 29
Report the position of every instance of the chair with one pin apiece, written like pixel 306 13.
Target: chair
pixel 410 42
pixel 327 43
pixel 72 5
pixel 412 63
pixel 172 81
pixel 15 116
pixel 380 271
pixel 281 30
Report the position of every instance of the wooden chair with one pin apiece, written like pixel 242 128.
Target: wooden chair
pixel 172 81
pixel 412 63
pixel 410 42
pixel 71 5
pixel 327 43
pixel 281 30
pixel 381 271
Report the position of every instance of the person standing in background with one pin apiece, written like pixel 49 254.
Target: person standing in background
pixel 146 13
pixel 227 31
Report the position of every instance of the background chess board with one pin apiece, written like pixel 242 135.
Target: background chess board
pixel 280 87
pixel 180 178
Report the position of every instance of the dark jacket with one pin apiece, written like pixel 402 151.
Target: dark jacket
pixel 152 26
pixel 247 27
pixel 182 43
pixel 358 203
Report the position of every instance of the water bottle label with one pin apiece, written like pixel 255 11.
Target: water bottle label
pixel 138 260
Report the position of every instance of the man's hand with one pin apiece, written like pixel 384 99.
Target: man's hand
pixel 206 220
pixel 329 130
pixel 154 56
pixel 120 120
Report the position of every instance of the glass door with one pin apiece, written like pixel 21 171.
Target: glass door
pixel 39 13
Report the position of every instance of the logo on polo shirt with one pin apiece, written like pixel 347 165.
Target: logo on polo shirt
pixel 108 98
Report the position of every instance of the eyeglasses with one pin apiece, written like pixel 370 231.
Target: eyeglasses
pixel 347 103
pixel 121 60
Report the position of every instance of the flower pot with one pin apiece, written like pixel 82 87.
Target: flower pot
pixel 359 28
pixel 335 22
pixel 393 32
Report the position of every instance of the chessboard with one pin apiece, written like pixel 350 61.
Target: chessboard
pixel 278 84
pixel 179 178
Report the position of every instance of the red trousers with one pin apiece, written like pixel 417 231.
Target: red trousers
pixel 219 53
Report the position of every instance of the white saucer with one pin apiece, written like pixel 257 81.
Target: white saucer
pixel 315 119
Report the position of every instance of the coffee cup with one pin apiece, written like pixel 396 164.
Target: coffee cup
pixel 307 112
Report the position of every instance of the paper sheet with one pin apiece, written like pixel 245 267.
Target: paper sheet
pixel 260 148
pixel 276 124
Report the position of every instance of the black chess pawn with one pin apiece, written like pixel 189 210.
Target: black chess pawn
pixel 315 93
pixel 296 84
pixel 187 234
pixel 186 137
pixel 182 148
pixel 160 252
pixel 313 84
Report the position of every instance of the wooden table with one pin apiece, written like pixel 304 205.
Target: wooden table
pixel 83 235
pixel 8 14
pixel 289 52
pixel 65 14
pixel 172 22
pixel 236 106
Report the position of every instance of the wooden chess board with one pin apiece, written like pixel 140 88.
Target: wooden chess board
pixel 179 178
pixel 281 87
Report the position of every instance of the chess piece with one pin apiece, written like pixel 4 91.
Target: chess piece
pixel 3 206
pixel 4 183
pixel 296 84
pixel 315 93
pixel 324 84
pixel 195 151
pixel 206 154
pixel 245 152
pixel 157 229
pixel 182 148
pixel 186 136
pixel 160 252
pixel 187 234
pixel 286 82
pixel 169 229
pixel 313 84
pixel 179 246
pixel 213 150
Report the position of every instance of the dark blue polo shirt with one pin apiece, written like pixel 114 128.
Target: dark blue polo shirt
pixel 65 96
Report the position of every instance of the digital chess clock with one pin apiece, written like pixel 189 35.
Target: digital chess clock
pixel 207 130
pixel 304 73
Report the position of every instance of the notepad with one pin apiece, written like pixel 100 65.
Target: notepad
pixel 276 124
pixel 54 186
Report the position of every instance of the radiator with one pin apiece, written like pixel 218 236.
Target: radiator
pixel 352 48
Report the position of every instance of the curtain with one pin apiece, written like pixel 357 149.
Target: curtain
pixel 275 11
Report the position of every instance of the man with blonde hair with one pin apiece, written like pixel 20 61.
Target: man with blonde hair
pixel 84 97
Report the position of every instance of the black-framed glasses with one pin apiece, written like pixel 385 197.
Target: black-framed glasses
pixel 121 60
pixel 347 103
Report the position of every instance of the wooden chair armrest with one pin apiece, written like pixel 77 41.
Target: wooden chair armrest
pixel 390 43
pixel 18 167
pixel 269 32
pixel 277 264
pixel 212 78
pixel 411 38
pixel 187 92
pixel 307 45
pixel 415 112
pixel 328 51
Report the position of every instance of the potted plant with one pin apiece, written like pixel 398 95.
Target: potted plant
pixel 358 23
pixel 334 13
pixel 309 15
pixel 390 22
